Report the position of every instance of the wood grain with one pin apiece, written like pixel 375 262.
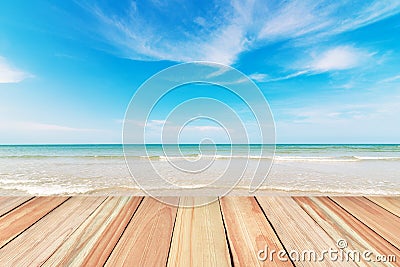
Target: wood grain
pixel 339 224
pixel 297 230
pixel 136 231
pixel 9 203
pixel 249 232
pixel 35 245
pixel 25 215
pixel 199 237
pixel 378 219
pixel 93 241
pixel 391 204
pixel 146 239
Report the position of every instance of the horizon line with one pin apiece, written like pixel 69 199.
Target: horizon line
pixel 87 144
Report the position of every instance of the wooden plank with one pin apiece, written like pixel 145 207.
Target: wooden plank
pixel 378 219
pixel 93 241
pixel 9 203
pixel 35 245
pixel 391 204
pixel 199 236
pixel 109 238
pixel 341 225
pixel 146 239
pixel 249 232
pixel 297 231
pixel 15 222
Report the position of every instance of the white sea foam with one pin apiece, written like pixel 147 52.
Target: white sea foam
pixel 49 170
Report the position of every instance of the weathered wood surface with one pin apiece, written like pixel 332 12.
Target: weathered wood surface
pixel 388 203
pixel 137 231
pixel 375 217
pixel 93 241
pixel 249 232
pixel 9 203
pixel 297 230
pixel 199 236
pixel 146 240
pixel 341 225
pixel 35 245
pixel 25 215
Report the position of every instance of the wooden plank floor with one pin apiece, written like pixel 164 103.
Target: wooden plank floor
pixel 233 231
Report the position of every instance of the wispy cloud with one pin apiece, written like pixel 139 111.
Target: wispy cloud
pixel 367 14
pixel 10 74
pixel 354 123
pixel 225 33
pixel 289 76
pixel 258 77
pixel 14 131
pixel 333 59
pixel 296 18
pixel 138 38
pixel 30 126
pixel 339 58
pixel 161 131
pixel 391 79
pixel 220 71
pixel 307 22
pixel 35 126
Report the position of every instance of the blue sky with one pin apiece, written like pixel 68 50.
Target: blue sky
pixel 329 69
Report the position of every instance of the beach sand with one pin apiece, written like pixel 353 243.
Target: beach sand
pixel 239 231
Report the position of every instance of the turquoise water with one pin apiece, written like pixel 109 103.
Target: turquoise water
pixel 390 151
pixel 101 169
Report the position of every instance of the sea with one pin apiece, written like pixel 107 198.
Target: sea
pixel 291 169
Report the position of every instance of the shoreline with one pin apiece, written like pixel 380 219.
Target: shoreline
pixel 123 192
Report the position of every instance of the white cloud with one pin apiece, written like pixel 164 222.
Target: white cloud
pixel 13 131
pixel 145 43
pixel 35 126
pixel 296 18
pixel 28 126
pixel 10 74
pixel 258 77
pixel 204 128
pixel 156 122
pixel 339 58
pixel 341 123
pixel 219 72
pixel 171 133
pixel 372 12
pixel 289 76
pixel 391 79
pixel 200 21
pixel 239 27
pixel 309 21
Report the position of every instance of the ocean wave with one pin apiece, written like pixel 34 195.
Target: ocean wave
pixel 331 191
pixel 216 157
pixel 29 188
pixel 333 159
pixel 378 158
pixel 36 189
pixel 317 159
pixel 45 190
pixel 148 157
pixel 60 156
